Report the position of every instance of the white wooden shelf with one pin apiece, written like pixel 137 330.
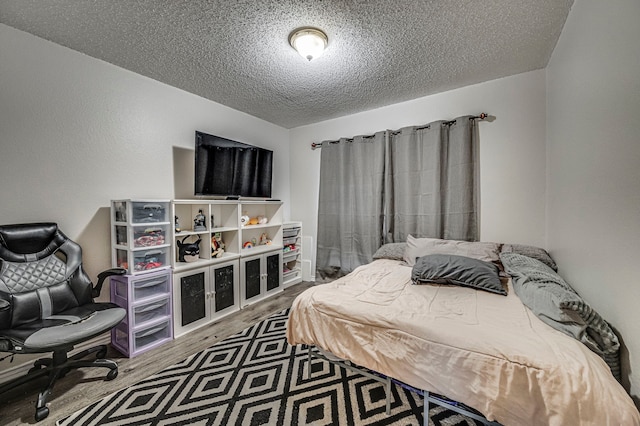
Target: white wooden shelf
pixel 211 286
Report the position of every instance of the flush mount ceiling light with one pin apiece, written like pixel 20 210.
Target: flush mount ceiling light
pixel 309 42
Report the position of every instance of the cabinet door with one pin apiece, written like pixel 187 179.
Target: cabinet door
pixel 273 271
pixel 224 281
pixel 252 269
pixel 191 300
pixel 260 275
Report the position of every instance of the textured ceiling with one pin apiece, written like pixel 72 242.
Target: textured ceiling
pixel 236 52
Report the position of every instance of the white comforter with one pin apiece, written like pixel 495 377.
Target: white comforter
pixel 485 350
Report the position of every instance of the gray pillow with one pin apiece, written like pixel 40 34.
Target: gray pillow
pixel 554 301
pixel 531 251
pixel 393 251
pixel 457 270
pixel 417 247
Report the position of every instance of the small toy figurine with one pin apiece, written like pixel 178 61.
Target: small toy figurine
pixel 217 245
pixel 177 224
pixel 199 222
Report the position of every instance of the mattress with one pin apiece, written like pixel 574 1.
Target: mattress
pixel 485 350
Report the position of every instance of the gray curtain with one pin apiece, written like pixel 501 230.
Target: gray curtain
pixel 419 180
pixel 350 204
pixel 431 183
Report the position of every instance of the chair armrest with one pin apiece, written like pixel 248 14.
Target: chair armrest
pixel 95 292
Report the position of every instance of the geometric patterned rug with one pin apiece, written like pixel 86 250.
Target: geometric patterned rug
pixel 256 378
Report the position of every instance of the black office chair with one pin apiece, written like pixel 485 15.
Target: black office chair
pixel 46 305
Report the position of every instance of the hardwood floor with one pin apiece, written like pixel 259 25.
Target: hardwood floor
pixel 80 388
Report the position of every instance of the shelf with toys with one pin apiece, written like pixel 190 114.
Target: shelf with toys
pixel 224 254
pixel 261 227
pixel 215 249
pixel 291 253
pixel 205 232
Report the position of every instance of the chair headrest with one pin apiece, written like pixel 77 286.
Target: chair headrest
pixel 29 241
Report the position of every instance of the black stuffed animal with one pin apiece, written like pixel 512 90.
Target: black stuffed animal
pixel 188 252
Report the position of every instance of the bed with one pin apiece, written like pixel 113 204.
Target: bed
pixel 488 351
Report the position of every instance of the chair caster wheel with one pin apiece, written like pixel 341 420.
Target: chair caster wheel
pixel 101 354
pixel 41 413
pixel 112 375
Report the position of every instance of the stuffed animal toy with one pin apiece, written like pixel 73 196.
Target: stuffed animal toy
pixel 188 252
pixel 244 220
pixel 217 246
pixel 264 239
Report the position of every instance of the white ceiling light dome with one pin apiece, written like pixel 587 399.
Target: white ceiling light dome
pixel 309 42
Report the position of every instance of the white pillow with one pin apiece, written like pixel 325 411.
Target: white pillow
pixel 418 247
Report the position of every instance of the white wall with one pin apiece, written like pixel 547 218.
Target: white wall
pixel 512 152
pixel 593 105
pixel 76 132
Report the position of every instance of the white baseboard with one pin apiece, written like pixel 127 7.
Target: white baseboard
pixel 308 249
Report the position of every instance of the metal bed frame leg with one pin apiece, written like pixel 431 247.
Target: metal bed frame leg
pixel 425 420
pixel 388 396
pixel 308 362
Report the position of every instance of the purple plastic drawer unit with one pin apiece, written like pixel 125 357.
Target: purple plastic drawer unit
pixel 148 301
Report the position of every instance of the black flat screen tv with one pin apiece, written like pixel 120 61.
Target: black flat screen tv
pixel 224 167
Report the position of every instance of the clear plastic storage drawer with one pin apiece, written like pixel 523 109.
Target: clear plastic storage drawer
pixel 151 311
pixel 150 235
pixel 142 289
pixel 142 339
pixel 148 260
pixel 150 335
pixel 149 212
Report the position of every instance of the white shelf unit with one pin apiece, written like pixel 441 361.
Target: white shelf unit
pixel 211 287
pixel 291 253
pixel 140 235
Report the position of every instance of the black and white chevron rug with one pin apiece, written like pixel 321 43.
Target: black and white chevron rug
pixel 256 378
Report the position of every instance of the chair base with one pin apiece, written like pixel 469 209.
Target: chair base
pixel 57 367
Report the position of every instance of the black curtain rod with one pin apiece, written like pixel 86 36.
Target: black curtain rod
pixel 480 116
